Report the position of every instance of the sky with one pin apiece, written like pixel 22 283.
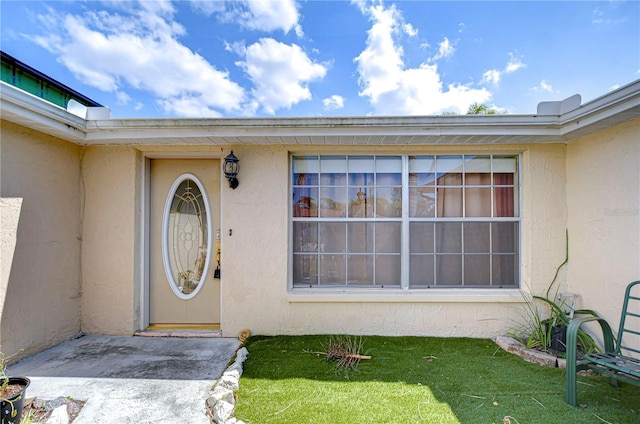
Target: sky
pixel 311 58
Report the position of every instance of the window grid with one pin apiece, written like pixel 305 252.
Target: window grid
pixel 405 253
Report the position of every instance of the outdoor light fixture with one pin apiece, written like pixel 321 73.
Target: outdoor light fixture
pixel 231 167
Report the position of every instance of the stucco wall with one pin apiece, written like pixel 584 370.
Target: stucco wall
pixel 40 256
pixel 603 186
pixel 255 257
pixel 110 248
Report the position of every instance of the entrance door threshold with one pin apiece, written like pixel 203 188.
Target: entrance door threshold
pixel 181 330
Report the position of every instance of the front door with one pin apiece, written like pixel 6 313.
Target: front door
pixel 183 221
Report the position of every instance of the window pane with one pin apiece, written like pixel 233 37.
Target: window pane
pixel 333 202
pixel 449 237
pixel 477 201
pixel 449 170
pixel 305 237
pixel 305 270
pixel 387 270
pixel 333 179
pixel 476 237
pixel 332 269
pixel 505 270
pixel 475 179
pixel 361 171
pixel 448 270
pixel 477 270
pixel 333 170
pixel 505 195
pixel 360 269
pixel 361 236
pixel 388 165
pixel 449 202
pixel 332 237
pixel 388 236
pixel 479 165
pixel 421 237
pixel 422 164
pixel 389 202
pixel 508 164
pixel 305 170
pixel 305 202
pixel 421 273
pixel 360 202
pixel 504 236
pixel 422 202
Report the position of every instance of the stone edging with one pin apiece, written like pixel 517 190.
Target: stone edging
pixel 222 402
pixel 511 345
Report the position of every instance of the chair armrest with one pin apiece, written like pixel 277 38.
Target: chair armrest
pixel 572 337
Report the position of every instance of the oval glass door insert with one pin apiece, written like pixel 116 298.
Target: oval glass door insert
pixel 186 236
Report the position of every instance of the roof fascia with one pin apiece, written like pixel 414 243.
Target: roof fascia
pixel 100 131
pixel 624 102
pixel 26 109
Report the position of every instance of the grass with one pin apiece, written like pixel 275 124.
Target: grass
pixel 414 380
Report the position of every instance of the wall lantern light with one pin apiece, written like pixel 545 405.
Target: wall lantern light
pixel 231 167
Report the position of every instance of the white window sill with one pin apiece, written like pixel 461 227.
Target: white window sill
pixel 407 296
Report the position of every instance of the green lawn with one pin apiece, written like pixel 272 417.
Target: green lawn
pixel 417 379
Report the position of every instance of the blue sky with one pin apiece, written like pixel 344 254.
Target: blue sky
pixel 265 58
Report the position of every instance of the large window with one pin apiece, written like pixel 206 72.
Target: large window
pixel 411 222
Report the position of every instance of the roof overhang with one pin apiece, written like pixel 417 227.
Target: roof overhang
pixel 611 109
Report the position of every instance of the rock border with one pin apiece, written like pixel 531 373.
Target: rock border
pixel 222 402
pixel 511 345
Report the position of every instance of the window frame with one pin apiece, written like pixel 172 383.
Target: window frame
pixel 406 221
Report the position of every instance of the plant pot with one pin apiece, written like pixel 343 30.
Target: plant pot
pixel 559 338
pixel 12 406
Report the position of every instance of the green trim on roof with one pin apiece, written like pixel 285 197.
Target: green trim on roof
pixel 26 78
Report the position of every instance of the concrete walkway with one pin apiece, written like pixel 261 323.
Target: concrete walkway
pixel 130 380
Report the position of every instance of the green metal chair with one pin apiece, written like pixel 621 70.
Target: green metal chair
pixel 615 360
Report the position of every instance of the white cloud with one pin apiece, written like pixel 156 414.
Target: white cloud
pixel 514 64
pixel 410 30
pixel 493 76
pixel 445 50
pixel 262 15
pixel 111 51
pixel 280 74
pixel 334 102
pixel 393 89
pixel 122 98
pixel 208 7
pixel 543 86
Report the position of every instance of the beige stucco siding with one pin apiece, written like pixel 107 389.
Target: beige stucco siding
pixel 255 291
pixel 603 192
pixel 40 256
pixel 110 249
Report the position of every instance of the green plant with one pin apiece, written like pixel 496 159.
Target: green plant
pixel 535 330
pixel 7 391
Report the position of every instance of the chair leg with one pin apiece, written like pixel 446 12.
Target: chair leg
pixel 571 385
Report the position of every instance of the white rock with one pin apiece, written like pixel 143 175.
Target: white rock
pixel 236 366
pixel 242 354
pixel 59 415
pixel 221 393
pixel 222 411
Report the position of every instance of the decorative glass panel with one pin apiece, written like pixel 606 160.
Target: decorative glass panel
pixel 186 236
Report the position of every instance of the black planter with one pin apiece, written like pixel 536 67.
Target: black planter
pixel 12 407
pixel 559 338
